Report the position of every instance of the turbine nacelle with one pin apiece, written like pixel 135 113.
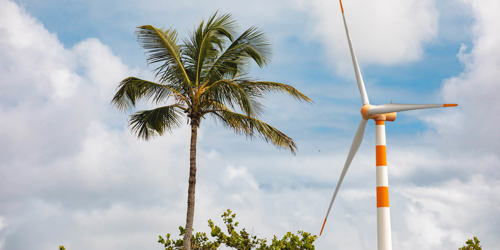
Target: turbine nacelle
pixel 367 115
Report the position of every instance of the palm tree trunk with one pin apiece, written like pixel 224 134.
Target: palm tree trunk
pixel 191 188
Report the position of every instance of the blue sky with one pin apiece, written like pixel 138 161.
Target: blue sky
pixel 72 173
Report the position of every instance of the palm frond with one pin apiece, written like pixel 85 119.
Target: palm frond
pixel 148 123
pixel 250 126
pixel 161 47
pixel 258 47
pixel 251 44
pixel 131 89
pixel 260 87
pixel 228 92
pixel 224 24
pixel 206 43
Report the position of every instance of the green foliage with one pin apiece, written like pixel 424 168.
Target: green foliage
pixel 471 244
pixel 61 247
pixel 238 239
pixel 205 75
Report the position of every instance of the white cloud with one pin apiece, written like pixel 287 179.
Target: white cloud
pixel 100 66
pixel 25 56
pixel 383 32
pixel 446 214
pixel 465 203
pixel 475 90
pixel 61 158
pixel 3 225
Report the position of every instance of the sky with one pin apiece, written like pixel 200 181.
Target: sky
pixel 72 173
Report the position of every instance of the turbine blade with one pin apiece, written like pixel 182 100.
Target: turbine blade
pixel 357 71
pixel 356 142
pixel 396 107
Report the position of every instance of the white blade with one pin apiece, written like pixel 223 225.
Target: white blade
pixel 396 107
pixel 357 71
pixel 358 138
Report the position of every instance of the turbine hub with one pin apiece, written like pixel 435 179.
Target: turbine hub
pixel 365 113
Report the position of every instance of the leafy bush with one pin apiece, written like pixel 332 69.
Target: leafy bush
pixel 471 244
pixel 238 239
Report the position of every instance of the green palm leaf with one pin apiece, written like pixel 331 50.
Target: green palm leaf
pixel 148 123
pixel 243 124
pixel 257 46
pixel 207 41
pixel 261 87
pixel 132 88
pixel 161 47
pixel 228 92
pixel 251 44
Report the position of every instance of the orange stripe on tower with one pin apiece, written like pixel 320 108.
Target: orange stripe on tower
pixel 379 122
pixel 382 196
pixel 381 155
pixel 341 7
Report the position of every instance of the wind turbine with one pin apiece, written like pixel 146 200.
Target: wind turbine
pixel 379 113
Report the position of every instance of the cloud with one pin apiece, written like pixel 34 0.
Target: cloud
pixel 3 225
pixel 466 142
pixel 383 32
pixel 447 213
pixel 475 88
pixel 64 165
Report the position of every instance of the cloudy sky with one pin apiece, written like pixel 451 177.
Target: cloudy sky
pixel 72 173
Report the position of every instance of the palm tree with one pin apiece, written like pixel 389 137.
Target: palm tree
pixel 204 75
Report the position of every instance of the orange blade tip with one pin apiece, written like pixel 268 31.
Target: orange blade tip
pixel 450 105
pixel 322 227
pixel 341 7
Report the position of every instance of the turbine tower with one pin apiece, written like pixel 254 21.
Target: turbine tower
pixel 380 114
